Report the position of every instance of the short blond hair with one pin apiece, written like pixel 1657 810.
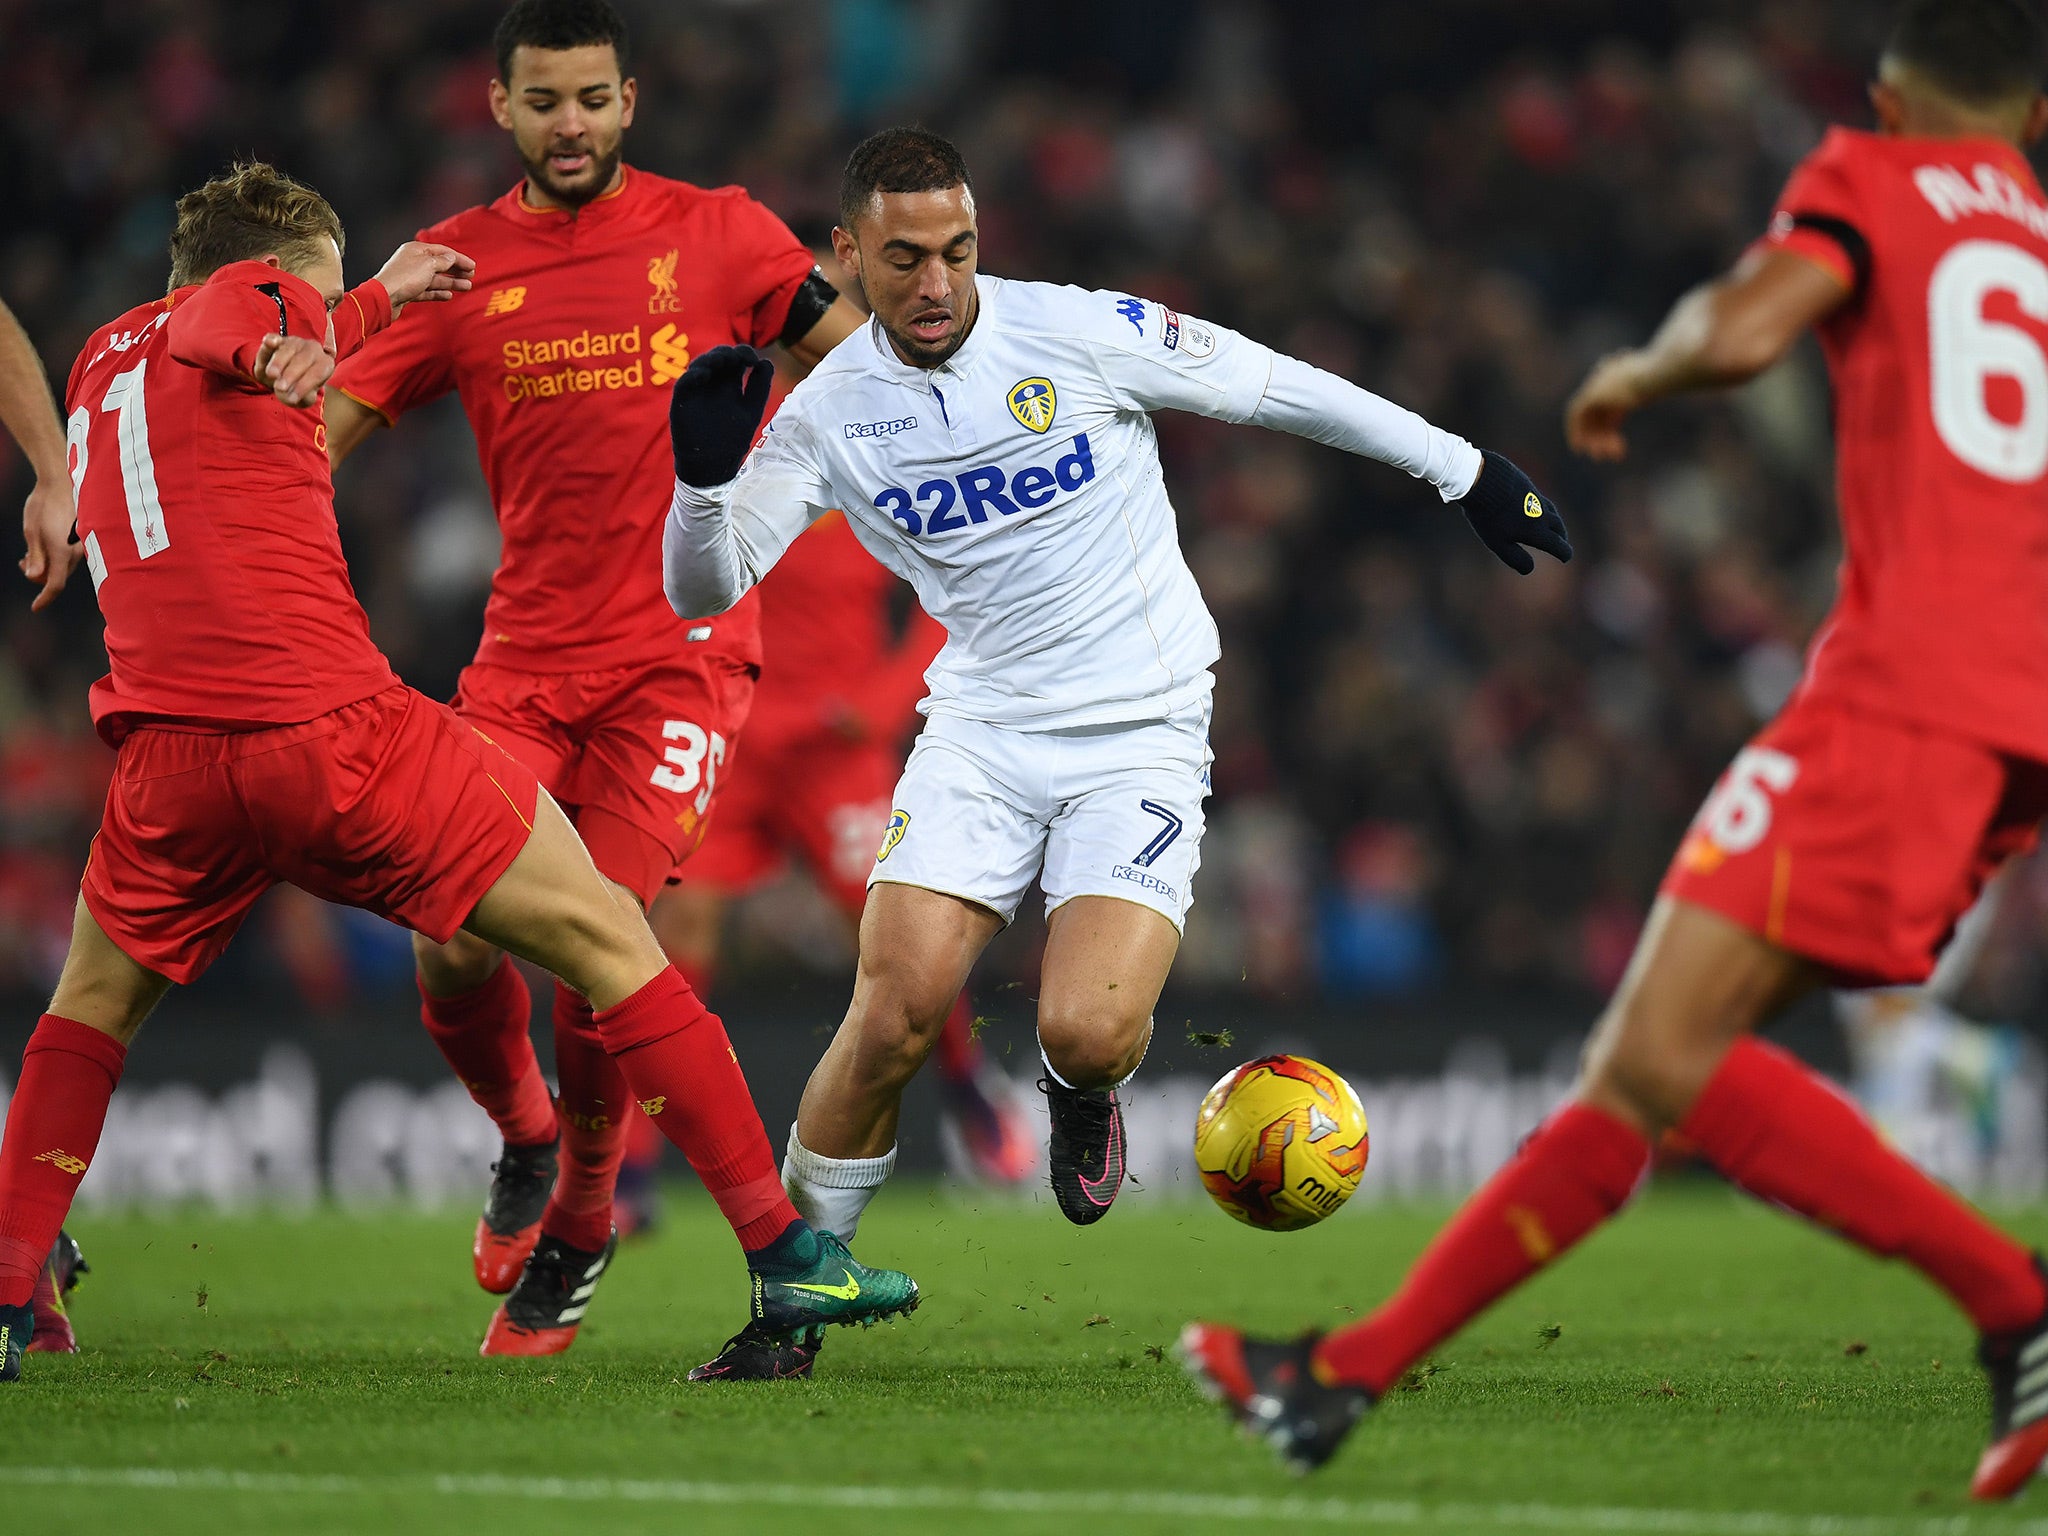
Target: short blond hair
pixel 252 210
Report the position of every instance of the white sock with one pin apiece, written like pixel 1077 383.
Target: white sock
pixel 831 1192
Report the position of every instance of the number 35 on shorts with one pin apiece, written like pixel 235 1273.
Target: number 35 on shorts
pixel 692 766
pixel 1737 815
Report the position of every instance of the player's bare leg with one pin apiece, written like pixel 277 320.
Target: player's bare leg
pixel 1673 1051
pixel 553 908
pixel 916 948
pixel 68 1074
pixel 1105 961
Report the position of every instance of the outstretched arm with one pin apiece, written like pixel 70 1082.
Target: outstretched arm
pixel 1724 332
pixel 1153 359
pixel 30 414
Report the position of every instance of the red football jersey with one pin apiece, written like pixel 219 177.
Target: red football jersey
pixel 564 354
pixel 830 651
pixel 207 511
pixel 1940 371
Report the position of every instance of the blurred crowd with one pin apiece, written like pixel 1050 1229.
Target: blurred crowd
pixel 1428 771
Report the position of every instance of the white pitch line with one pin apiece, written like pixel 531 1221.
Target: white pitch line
pixel 1009 1501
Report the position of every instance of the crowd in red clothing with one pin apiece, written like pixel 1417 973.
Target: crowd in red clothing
pixel 1426 771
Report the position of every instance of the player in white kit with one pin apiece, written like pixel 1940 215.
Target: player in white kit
pixel 989 442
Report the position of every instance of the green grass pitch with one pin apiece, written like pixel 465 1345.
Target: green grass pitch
pixel 1702 1366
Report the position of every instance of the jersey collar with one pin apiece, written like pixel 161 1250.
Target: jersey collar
pixel 960 363
pixel 598 210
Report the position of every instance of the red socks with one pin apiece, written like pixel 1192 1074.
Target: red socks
pixel 1782 1133
pixel 1768 1124
pixel 485 1036
pixel 687 1077
pixel 68 1073
pixel 594 1104
pixel 1574 1171
pixel 959 1052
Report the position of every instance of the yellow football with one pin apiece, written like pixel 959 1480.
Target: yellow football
pixel 1280 1142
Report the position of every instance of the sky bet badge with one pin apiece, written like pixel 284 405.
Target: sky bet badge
pixel 1032 403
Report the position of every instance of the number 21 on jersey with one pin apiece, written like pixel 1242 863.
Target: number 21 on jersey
pixel 124 399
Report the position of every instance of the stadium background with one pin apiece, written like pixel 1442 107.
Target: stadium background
pixel 1443 794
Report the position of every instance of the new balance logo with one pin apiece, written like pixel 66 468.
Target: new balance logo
pixel 62 1161
pixel 504 300
pixel 654 1106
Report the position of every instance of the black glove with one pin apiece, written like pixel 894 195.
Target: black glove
pixel 1507 511
pixel 715 412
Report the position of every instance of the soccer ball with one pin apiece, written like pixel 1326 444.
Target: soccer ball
pixel 1280 1142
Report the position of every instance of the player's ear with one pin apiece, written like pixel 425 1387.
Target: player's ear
pixel 629 93
pixel 847 249
pixel 501 103
pixel 1889 107
pixel 2037 121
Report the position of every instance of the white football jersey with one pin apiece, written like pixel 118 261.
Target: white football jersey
pixel 1017 488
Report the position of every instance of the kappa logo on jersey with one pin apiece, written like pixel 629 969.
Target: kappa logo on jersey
pixel 1133 310
pixel 899 823
pixel 661 272
pixel 859 429
pixel 671 349
pixel 503 301
pixel 1033 402
pixel 977 492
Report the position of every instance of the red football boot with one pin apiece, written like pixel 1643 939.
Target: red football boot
pixel 2017 1365
pixel 521 1181
pixel 546 1307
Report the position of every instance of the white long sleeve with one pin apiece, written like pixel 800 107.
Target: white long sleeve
pixel 721 540
pixel 1311 403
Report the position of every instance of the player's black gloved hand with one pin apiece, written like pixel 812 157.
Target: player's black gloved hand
pixel 715 412
pixel 1507 511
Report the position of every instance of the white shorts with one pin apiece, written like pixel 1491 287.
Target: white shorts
pixel 1100 810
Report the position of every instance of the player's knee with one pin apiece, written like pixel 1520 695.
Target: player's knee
pixel 894 1029
pixel 1091 1047
pixel 461 965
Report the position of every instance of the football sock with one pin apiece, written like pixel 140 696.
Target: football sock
pixel 594 1102
pixel 833 1191
pixel 485 1034
pixel 686 1075
pixel 959 1052
pixel 68 1073
pixel 1575 1170
pixel 1781 1132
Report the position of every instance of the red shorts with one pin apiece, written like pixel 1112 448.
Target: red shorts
pixel 822 798
pixel 1855 840
pixel 390 804
pixel 634 754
